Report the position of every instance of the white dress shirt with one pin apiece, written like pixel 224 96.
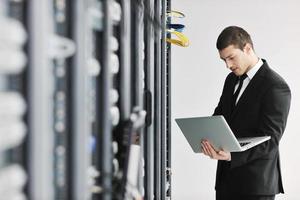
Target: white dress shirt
pixel 250 75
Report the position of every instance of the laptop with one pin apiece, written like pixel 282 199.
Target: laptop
pixel 216 130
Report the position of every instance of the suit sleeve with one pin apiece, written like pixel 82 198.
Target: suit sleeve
pixel 273 117
pixel 218 110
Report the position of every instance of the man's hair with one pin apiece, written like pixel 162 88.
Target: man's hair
pixel 233 35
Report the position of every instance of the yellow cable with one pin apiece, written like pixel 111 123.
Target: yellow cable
pixel 174 13
pixel 182 40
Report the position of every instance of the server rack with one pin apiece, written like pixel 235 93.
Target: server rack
pixel 146 84
pixel 104 110
pixel 13 103
pixel 97 88
pixel 150 26
pixel 61 66
pixel 168 106
pixel 40 88
pixel 130 86
pixel 157 106
pixel 80 158
pixel 163 101
pixel 162 105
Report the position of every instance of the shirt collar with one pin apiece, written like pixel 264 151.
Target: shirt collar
pixel 254 69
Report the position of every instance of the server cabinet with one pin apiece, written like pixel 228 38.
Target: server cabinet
pixel 85 89
pixel 13 105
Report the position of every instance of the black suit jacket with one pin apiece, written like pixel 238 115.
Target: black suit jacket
pixel 262 110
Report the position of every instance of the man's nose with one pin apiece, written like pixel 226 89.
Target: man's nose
pixel 229 65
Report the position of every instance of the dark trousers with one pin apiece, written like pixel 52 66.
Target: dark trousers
pixel 224 196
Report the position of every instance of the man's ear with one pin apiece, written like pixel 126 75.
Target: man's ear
pixel 248 48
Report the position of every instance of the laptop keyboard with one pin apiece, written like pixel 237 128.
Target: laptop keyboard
pixel 244 143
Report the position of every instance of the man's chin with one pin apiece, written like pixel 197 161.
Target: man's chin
pixel 237 73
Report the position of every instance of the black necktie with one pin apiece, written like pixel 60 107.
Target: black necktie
pixel 236 94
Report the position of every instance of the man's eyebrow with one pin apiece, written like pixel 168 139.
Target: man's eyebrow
pixel 226 57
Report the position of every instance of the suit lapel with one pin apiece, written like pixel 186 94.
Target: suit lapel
pixel 229 92
pixel 251 89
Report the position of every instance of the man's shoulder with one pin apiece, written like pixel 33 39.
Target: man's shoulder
pixel 271 76
pixel 274 77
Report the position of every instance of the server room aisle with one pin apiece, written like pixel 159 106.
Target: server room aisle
pixel 85 99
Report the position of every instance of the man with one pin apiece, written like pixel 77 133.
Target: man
pixel 255 102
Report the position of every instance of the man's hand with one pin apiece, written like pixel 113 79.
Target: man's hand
pixel 208 150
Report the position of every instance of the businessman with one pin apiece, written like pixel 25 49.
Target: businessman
pixel 255 101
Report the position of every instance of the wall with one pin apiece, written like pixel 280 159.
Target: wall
pixel 198 76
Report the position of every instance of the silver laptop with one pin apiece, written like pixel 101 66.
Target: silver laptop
pixel 216 130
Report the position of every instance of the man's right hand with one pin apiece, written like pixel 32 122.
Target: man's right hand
pixel 209 150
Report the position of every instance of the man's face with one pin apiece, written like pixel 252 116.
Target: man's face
pixel 236 60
